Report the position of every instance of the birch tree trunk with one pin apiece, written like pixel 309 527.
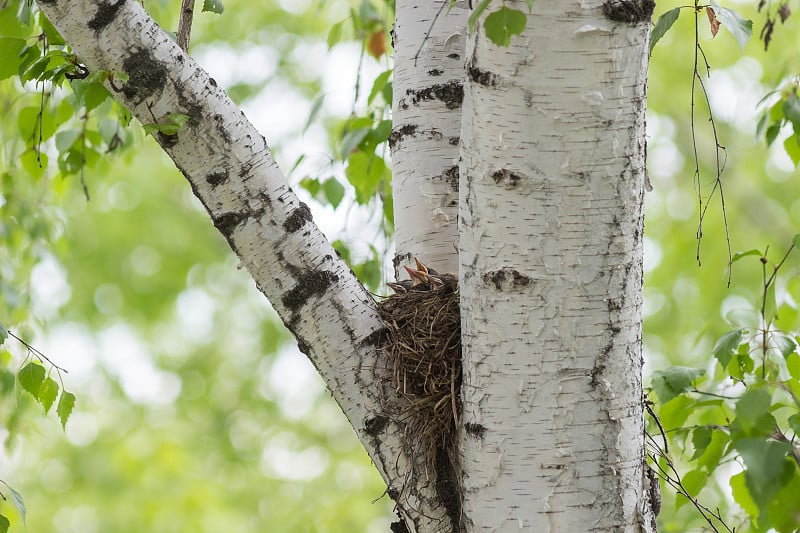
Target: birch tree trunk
pixel 553 155
pixel 426 125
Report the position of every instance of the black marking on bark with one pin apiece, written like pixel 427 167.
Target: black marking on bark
pixel 505 278
pixel 297 218
pixel 398 134
pixel 435 72
pixel 212 82
pixel 227 222
pixel 167 141
pixel 219 120
pixel 302 345
pixel 447 487
pixel 476 430
pixel 399 526
pixel 454 56
pixel 374 426
pixel 309 283
pixel 629 11
pixel 105 15
pixel 528 99
pixel 454 141
pixel 483 77
pixel 146 75
pixel 451 93
pixel 451 176
pixel 376 338
pixel 217 178
pixel 510 177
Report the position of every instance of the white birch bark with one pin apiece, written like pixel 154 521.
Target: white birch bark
pixel 428 89
pixel 552 175
pixel 231 170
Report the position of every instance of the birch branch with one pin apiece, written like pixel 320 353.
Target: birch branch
pixel 230 169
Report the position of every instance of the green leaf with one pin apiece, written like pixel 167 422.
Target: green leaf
pixel 739 255
pixel 334 191
pixel 675 412
pixel 792 146
pixel 352 139
pixel 9 51
pixel 4 524
pixel 19 502
pixel 31 378
pixel 312 185
pixel 772 133
pixel 503 24
pixel 791 110
pixel 65 405
pixel 48 394
pixel 694 481
pixel 784 344
pixel 674 381
pixel 214 6
pixel 742 496
pixel 364 172
pixel 663 24
pixel 753 417
pixel 740 28
pixel 726 345
pixel 701 437
pixel 378 84
pixel 335 34
pixel 53 37
pixel 476 13
pixel 3 334
pixel 316 107
pixel 66 138
pixel 794 423
pixel 796 240
pixel 715 450
pixel 767 467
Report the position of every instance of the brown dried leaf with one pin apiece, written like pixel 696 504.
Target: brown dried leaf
pixel 712 20
pixel 784 12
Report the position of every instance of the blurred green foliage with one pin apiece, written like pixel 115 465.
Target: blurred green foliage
pixel 195 413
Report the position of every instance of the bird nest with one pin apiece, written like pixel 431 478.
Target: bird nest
pixel 423 357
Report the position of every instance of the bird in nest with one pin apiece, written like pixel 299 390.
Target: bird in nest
pixel 424 279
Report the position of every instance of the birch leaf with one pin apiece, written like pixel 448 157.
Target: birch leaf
pixel 214 6
pixel 65 405
pixel 663 24
pixel 740 27
pixel 503 24
pixel 31 378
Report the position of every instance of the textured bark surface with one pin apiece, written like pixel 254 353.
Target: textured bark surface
pixel 231 171
pixel 429 41
pixel 552 173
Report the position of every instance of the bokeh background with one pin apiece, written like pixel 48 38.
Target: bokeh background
pixel 195 410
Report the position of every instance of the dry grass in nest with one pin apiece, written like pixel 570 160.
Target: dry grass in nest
pixel 423 355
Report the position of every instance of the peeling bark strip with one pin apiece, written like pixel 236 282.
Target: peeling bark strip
pixel 230 169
